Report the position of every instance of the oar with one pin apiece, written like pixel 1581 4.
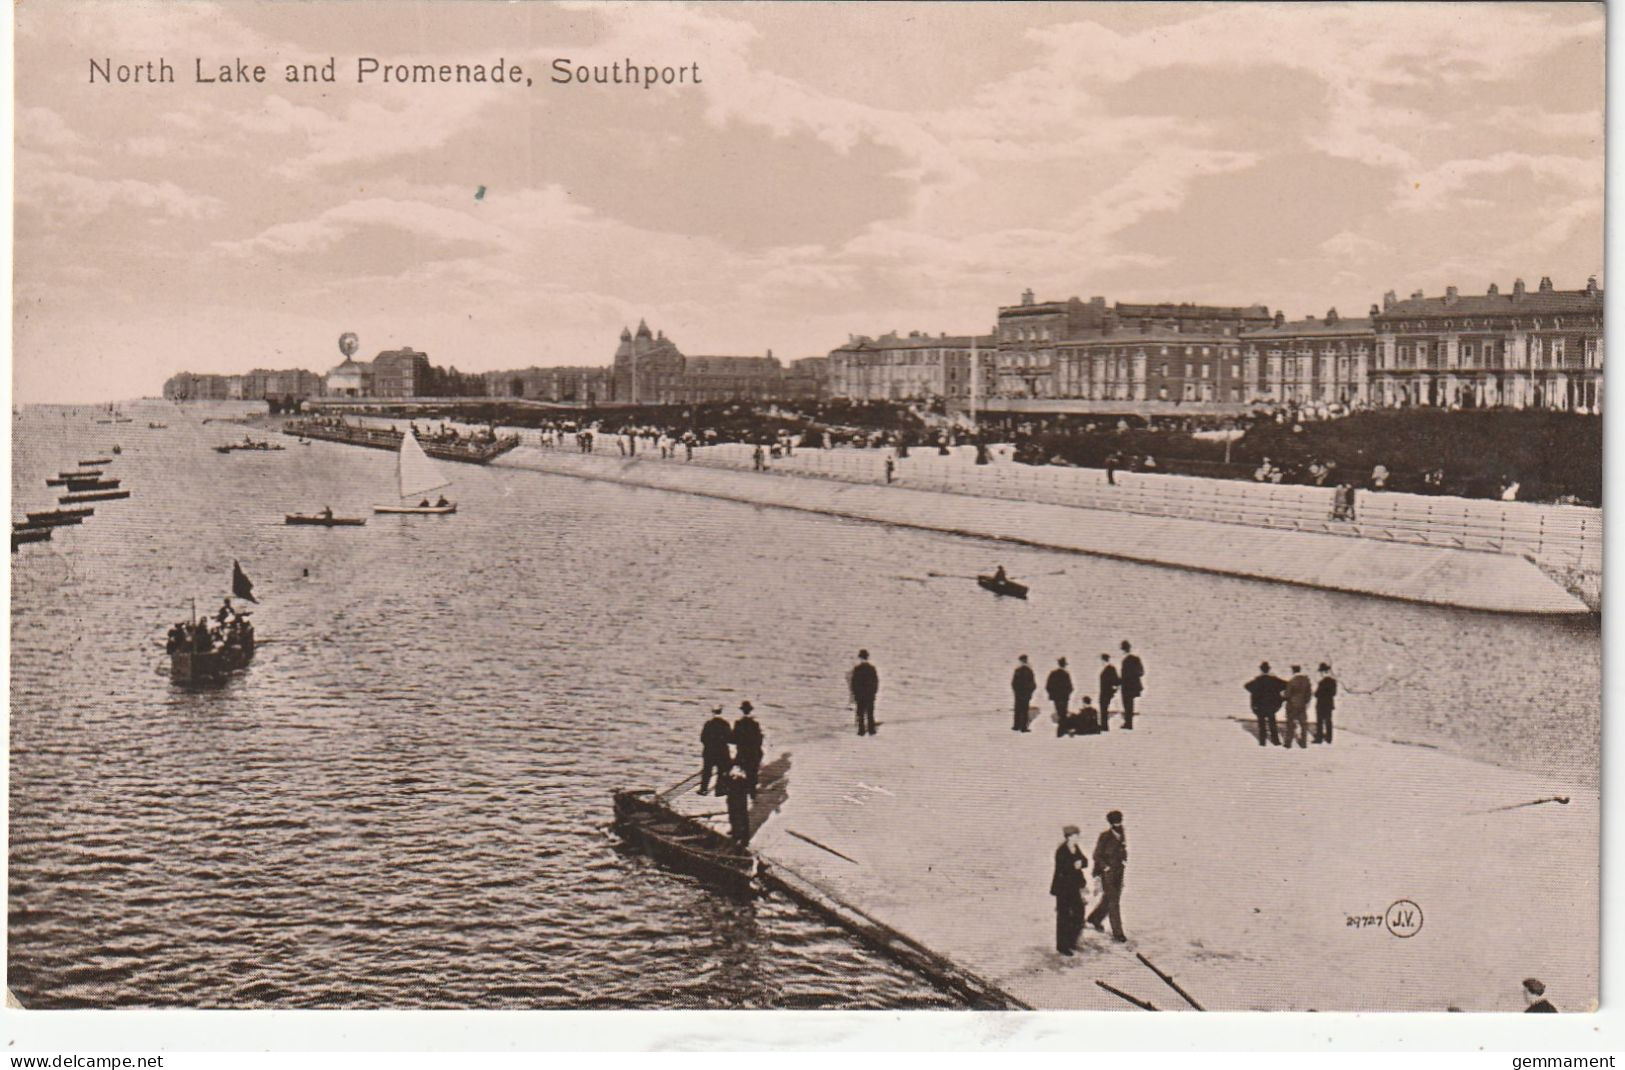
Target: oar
pixel 1143 1004
pixel 822 847
pixel 1561 800
pixel 1171 983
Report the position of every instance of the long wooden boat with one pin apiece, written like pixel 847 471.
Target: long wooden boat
pixel 29 535
pixel 79 486
pixel 80 473
pixel 1008 588
pixel 321 521
pixel 96 461
pixel 419 510
pixel 48 514
pixel 98 496
pixel 684 844
pixel 54 522
pixel 191 667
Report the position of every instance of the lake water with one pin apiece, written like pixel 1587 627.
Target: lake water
pixel 403 801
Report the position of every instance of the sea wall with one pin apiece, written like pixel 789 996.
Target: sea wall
pixel 1438 575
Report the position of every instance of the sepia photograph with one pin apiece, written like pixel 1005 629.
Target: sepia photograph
pixel 575 506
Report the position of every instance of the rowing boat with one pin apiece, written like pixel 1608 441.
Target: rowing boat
pixel 1006 587
pixel 320 521
pixel 193 667
pixel 683 843
pixel 51 514
pixel 98 496
pixel 29 535
pixel 96 460
pixel 54 522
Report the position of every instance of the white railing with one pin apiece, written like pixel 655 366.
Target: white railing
pixel 1559 536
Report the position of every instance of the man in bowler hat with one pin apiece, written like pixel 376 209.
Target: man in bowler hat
pixel 1133 677
pixel 1058 686
pixel 748 742
pixel 1109 682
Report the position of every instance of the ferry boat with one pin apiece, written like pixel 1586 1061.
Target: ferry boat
pixel 194 667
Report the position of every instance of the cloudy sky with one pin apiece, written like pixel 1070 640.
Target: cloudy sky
pixel 841 169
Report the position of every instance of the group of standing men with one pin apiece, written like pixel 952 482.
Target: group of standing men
pixel 1127 680
pixel 736 769
pixel 1269 693
pixel 1070 883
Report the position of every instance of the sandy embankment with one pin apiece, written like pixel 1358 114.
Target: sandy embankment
pixel 1246 863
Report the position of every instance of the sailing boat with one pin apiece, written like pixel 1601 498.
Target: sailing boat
pixel 418 475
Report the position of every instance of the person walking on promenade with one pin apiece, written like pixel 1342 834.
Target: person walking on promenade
pixel 714 740
pixel 748 742
pixel 1267 693
pixel 1058 686
pixel 864 683
pixel 1133 682
pixel 758 458
pixel 736 788
pixel 891 469
pixel 1325 700
pixel 1298 693
pixel 1111 856
pixel 1023 684
pixel 1534 998
pixel 1109 682
pixel 1067 885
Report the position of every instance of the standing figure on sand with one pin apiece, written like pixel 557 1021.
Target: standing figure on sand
pixel 748 745
pixel 1058 686
pixel 864 684
pixel 1022 685
pixel 1067 886
pixel 1111 858
pixel 1133 682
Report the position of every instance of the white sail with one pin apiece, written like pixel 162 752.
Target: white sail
pixel 418 474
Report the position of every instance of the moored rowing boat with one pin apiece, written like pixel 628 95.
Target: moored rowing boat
pixel 321 521
pixel 98 496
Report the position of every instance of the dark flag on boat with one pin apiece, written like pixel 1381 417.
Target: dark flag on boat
pixel 241 585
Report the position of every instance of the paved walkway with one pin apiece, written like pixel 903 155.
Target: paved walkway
pixel 1431 574
pixel 1246 863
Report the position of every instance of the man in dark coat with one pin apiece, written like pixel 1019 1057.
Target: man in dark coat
pixel 1111 857
pixel 1325 700
pixel 1071 874
pixel 1298 693
pixel 714 740
pixel 1058 686
pixel 1268 692
pixel 747 739
pixel 1023 684
pixel 1108 690
pixel 1133 677
pixel 864 683
pixel 736 788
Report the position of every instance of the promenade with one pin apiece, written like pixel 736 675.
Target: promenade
pixel 1246 863
pixel 1417 572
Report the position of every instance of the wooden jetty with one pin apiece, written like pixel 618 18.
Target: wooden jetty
pixel 379 438
pixel 646 820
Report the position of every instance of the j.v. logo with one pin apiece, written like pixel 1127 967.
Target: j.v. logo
pixel 1403 919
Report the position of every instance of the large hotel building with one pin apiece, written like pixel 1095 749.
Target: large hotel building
pixel 1521 349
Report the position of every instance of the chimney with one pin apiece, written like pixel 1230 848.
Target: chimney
pixel 1517 289
pixel 770 354
pixel 1027 297
pixel 1545 284
pixel 1331 315
pixel 1280 319
pixel 1389 300
pixel 1591 286
pixel 1450 295
pixel 1375 312
pixel 1494 290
